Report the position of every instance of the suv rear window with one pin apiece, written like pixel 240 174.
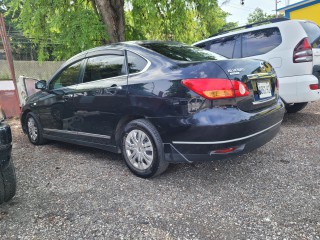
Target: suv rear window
pixel 181 52
pixel 312 30
pixel 260 41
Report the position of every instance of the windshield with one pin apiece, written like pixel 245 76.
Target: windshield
pixel 312 30
pixel 182 52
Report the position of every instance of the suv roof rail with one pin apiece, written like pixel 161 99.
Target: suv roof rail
pixel 274 20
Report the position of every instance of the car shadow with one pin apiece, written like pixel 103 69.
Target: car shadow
pixel 301 119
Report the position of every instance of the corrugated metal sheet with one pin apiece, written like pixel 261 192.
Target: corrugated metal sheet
pixel 7 101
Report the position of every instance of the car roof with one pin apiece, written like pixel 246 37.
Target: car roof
pixel 120 46
pixel 249 28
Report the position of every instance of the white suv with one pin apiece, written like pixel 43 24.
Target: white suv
pixel 291 46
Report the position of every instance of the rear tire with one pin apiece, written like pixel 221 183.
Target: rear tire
pixel 295 107
pixel 142 149
pixel 8 183
pixel 34 129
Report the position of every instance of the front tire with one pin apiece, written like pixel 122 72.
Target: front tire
pixel 142 149
pixel 295 107
pixel 34 129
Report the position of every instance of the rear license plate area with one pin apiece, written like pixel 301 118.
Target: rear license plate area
pixel 264 89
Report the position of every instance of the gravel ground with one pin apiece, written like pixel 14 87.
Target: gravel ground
pixel 71 192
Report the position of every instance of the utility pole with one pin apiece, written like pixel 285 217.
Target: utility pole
pixel 7 49
pixel 276 2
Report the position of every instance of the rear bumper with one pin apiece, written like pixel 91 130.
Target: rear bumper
pixel 297 89
pixel 202 140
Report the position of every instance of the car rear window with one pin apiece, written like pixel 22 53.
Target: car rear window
pixel 182 52
pixel 260 41
pixel 312 30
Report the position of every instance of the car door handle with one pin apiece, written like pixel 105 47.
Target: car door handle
pixel 66 97
pixel 113 89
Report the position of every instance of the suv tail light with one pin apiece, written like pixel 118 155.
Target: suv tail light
pixel 216 88
pixel 302 52
pixel 314 86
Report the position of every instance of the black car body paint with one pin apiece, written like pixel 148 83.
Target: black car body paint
pixel 191 127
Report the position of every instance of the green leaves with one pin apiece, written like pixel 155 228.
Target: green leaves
pixel 185 21
pixel 259 15
pixel 62 28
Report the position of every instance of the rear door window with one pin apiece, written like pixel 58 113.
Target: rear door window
pixel 223 46
pixel 102 67
pixel 313 32
pixel 260 41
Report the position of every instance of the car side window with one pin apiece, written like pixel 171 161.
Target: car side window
pixel 135 62
pixel 316 43
pixel 69 76
pixel 223 46
pixel 105 66
pixel 260 41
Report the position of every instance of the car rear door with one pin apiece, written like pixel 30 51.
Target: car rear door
pixel 101 97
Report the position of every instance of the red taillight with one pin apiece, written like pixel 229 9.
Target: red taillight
pixel 216 88
pixel 302 52
pixel 277 83
pixel 314 86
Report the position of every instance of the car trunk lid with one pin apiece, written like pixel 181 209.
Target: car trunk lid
pixel 260 79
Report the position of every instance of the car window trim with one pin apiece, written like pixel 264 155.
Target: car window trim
pixel 105 52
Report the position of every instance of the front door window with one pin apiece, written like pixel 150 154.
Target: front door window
pixel 69 76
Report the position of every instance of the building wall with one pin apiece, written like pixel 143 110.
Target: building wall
pixel 311 13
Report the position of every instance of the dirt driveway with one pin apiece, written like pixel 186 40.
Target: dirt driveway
pixel 72 192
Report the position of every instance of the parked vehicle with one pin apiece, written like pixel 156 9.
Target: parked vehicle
pixel 157 103
pixel 7 171
pixel 291 46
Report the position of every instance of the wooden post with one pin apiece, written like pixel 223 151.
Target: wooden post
pixel 7 49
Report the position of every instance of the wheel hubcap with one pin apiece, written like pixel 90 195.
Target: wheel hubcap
pixel 139 149
pixel 32 129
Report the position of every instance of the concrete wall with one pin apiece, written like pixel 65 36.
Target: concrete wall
pixel 34 69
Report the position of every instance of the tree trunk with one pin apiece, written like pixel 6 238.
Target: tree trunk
pixel 112 15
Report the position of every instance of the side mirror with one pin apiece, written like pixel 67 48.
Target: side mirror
pixel 42 84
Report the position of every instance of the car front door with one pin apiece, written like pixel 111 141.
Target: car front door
pixel 101 98
pixel 55 108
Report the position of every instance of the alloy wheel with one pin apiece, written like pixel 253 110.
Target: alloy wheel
pixel 32 129
pixel 139 149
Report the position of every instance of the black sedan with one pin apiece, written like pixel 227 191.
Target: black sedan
pixel 157 103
